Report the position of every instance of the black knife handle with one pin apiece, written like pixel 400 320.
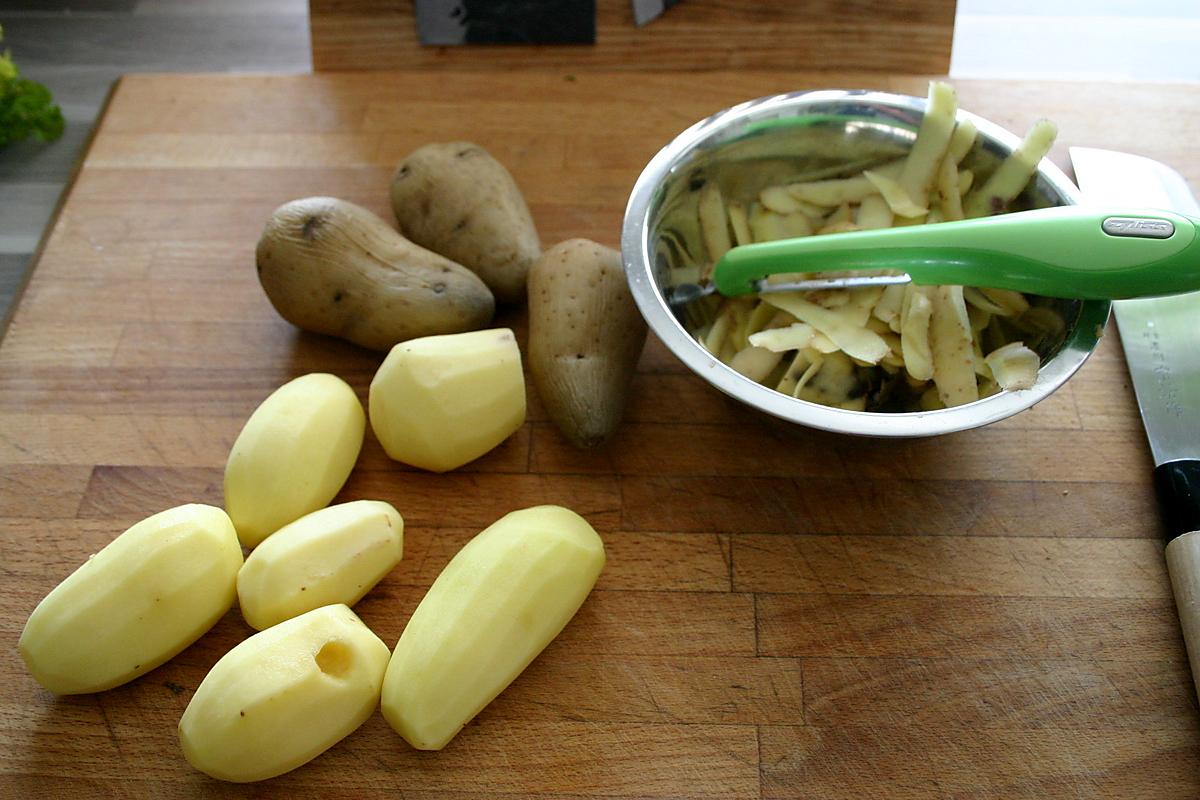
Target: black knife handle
pixel 1177 484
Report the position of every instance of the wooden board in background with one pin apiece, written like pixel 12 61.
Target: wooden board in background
pixel 909 36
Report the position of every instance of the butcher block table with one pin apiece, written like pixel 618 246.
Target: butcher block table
pixel 784 614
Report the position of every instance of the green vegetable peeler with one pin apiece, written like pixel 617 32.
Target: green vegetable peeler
pixel 1072 252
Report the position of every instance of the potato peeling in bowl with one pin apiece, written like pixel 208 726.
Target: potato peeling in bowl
pixel 876 348
pixel 1014 366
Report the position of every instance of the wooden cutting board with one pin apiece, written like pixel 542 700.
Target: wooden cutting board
pixel 785 613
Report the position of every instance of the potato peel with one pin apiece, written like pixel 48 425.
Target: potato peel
pixel 858 342
pixel 1014 366
pixel 910 347
pixel 780 340
pixel 950 339
pixel 897 198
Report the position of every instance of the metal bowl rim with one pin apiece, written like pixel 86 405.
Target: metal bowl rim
pixel 635 248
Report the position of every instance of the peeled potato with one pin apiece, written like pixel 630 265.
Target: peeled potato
pixel 147 595
pixel 293 455
pixel 334 555
pixel 284 696
pixel 495 606
pixel 442 401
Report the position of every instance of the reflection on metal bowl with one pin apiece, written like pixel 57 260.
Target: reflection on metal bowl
pixel 823 133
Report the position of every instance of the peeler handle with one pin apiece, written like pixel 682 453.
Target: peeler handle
pixel 1068 251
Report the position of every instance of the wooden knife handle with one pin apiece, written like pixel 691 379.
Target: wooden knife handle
pixel 1178 486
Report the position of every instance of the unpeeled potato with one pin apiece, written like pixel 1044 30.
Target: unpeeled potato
pixel 457 200
pixel 332 267
pixel 585 337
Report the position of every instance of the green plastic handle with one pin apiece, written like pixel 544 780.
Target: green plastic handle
pixel 1069 251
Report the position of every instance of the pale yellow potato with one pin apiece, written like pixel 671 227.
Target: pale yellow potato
pixel 147 595
pixel 442 401
pixel 495 606
pixel 335 555
pixel 293 455
pixel 284 696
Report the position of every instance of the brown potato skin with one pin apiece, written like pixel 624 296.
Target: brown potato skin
pixel 332 267
pixel 457 200
pixel 585 337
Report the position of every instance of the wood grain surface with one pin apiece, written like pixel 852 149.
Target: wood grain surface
pixel 784 614
pixel 905 36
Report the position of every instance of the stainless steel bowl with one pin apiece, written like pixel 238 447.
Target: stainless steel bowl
pixel 760 142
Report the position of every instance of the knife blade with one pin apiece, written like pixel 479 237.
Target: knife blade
pixel 1161 340
pixel 646 11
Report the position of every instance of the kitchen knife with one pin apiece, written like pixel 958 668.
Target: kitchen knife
pixel 645 11
pixel 1161 338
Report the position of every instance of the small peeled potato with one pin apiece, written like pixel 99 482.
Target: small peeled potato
pixel 334 555
pixel 441 401
pixel 495 606
pixel 147 595
pixel 284 696
pixel 293 455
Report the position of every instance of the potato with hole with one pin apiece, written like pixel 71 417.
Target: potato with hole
pixel 293 454
pixel 585 337
pixel 334 555
pixel 442 401
pixel 284 696
pixel 457 200
pixel 142 599
pixel 491 611
pixel 333 267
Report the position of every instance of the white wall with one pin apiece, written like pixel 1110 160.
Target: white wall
pixel 1157 40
